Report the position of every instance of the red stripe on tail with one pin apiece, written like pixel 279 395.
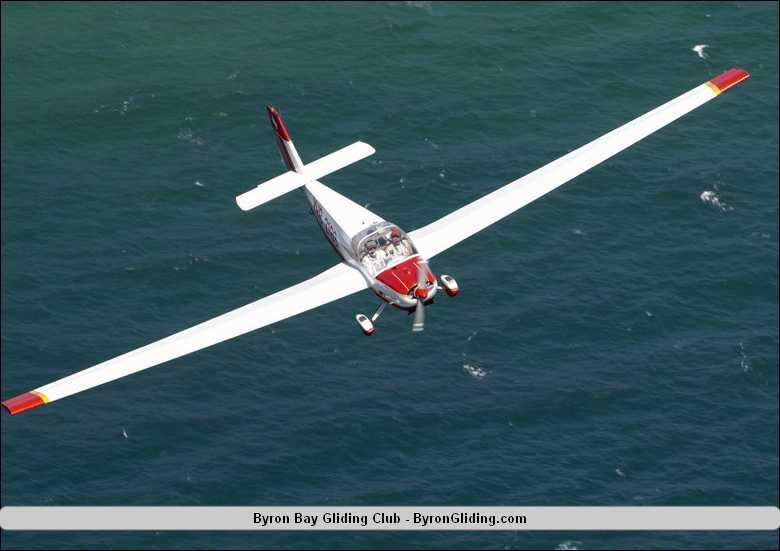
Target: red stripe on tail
pixel 281 135
pixel 276 122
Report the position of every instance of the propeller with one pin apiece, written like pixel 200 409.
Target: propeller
pixel 421 292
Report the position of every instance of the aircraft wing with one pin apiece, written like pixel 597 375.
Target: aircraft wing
pixel 337 282
pixel 466 221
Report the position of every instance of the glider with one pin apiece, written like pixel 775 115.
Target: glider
pixel 375 254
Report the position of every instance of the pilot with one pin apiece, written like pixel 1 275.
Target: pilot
pixel 397 246
pixel 375 257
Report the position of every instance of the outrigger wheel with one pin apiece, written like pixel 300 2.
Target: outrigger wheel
pixel 365 324
pixel 449 284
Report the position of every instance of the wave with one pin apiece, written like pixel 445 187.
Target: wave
pixel 474 370
pixel 712 198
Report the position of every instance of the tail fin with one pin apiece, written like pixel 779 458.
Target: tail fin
pixel 286 147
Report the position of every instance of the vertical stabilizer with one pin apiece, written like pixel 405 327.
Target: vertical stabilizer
pixel 286 147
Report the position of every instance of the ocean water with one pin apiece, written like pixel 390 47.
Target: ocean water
pixel 614 343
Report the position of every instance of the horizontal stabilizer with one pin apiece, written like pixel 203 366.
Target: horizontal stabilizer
pixel 337 160
pixel 271 189
pixel 291 180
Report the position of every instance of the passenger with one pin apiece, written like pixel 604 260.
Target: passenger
pixel 375 258
pixel 398 247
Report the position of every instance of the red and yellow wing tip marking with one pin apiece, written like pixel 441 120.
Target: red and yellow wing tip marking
pixel 25 401
pixel 727 79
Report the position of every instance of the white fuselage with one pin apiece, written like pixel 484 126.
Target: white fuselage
pixel 341 219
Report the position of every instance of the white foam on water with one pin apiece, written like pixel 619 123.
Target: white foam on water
pixel 194 259
pixel 711 197
pixel 421 5
pixel 569 544
pixel 124 432
pixel 184 134
pixel 474 370
pixel 699 49
pixel 199 183
pixel 743 363
pixel 648 313
pixel 126 105
pixel 619 472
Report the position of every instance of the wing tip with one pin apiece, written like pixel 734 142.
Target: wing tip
pixel 727 79
pixel 370 150
pixel 23 402
pixel 242 204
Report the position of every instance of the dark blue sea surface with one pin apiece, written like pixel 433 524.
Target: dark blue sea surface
pixel 614 343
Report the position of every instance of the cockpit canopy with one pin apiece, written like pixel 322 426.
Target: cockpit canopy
pixel 375 248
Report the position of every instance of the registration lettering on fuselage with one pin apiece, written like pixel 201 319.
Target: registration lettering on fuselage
pixel 325 223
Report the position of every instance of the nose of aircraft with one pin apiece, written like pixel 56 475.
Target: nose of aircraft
pixel 421 293
pixel 402 278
